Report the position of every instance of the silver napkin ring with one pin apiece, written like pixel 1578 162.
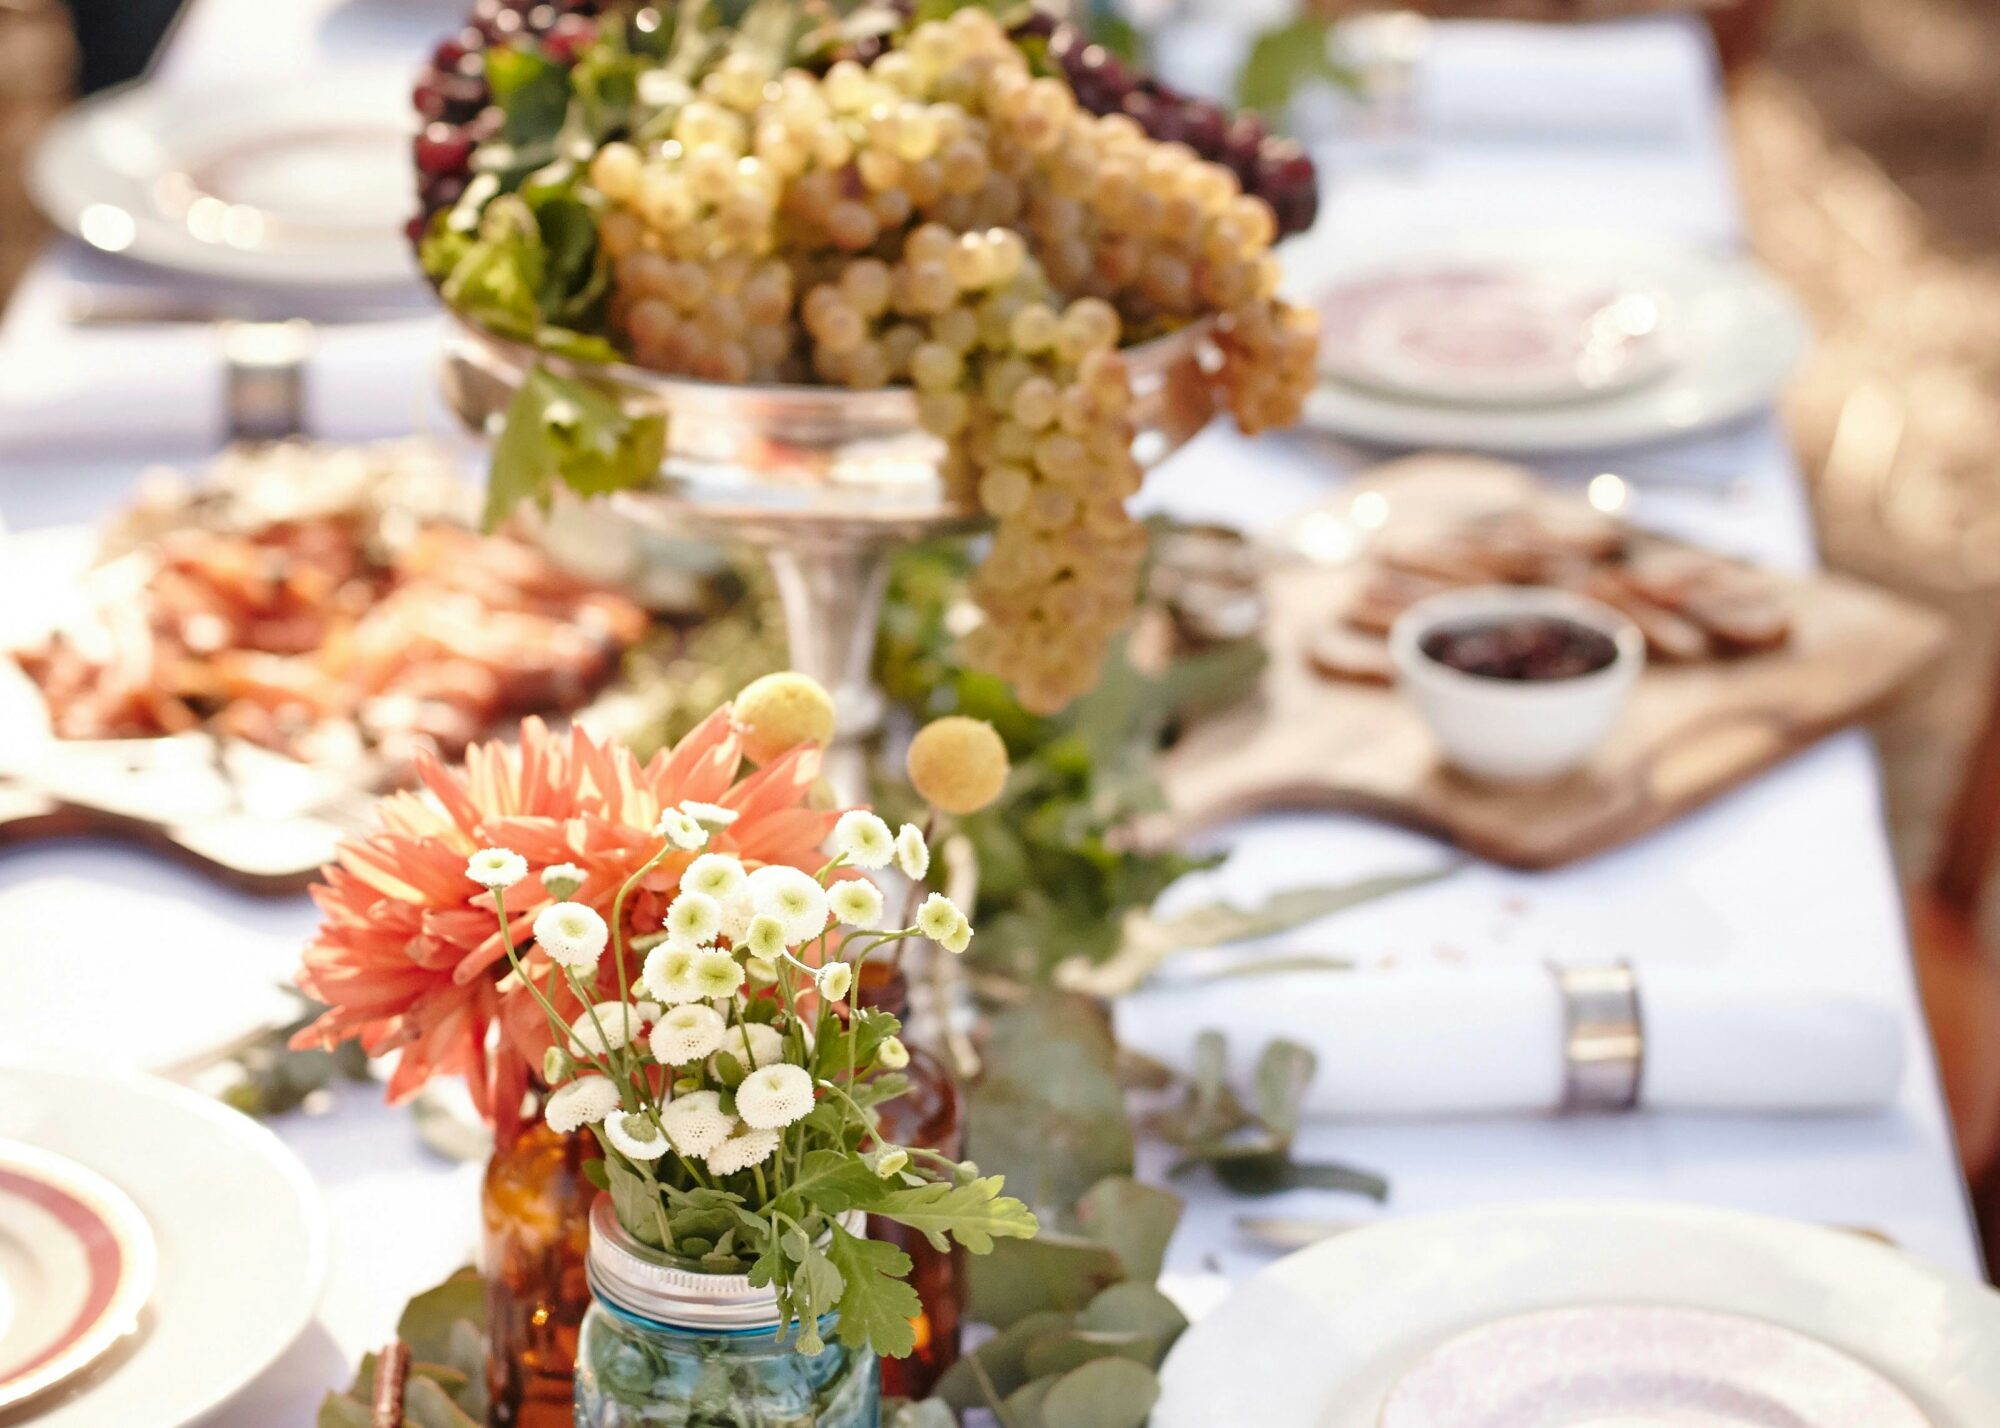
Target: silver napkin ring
pixel 264 364
pixel 1604 1044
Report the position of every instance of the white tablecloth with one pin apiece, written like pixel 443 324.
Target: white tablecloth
pixel 1792 872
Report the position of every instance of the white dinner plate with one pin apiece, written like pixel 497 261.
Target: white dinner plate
pixel 1729 338
pixel 1321 1338
pixel 76 1266
pixel 240 1230
pixel 303 182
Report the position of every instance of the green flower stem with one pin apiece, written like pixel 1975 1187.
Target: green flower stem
pixel 556 1023
pixel 618 915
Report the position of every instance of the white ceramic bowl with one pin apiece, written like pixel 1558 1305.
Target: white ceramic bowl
pixel 1514 731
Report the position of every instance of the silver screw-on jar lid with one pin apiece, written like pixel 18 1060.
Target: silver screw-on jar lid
pixel 641 1280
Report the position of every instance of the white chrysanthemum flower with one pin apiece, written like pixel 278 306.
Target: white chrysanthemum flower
pixel 765 938
pixel 561 880
pixel 738 913
pixel 715 974
pixel 667 973
pixel 958 939
pixel 796 899
pixel 938 917
pixel 496 868
pixel 604 1028
pixel 573 935
pixel 709 815
pixel 696 1122
pixel 687 1033
pixel 648 1011
pixel 681 830
pixel 892 1055
pixel 913 855
pixel 775 1097
pixel 582 1102
pixel 892 1162
pixel 636 1137
pixel 753 1044
pixel 740 1152
pixel 856 902
pixel 864 838
pixel 834 981
pixel 715 875
pixel 761 970
pixel 695 917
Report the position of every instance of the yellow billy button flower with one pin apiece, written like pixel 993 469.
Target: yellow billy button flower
pixel 957 764
pixel 779 712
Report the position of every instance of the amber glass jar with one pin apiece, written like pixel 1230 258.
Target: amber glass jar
pixel 535 1212
pixel 931 1116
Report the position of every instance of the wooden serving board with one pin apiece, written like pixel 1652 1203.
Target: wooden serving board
pixel 1689 733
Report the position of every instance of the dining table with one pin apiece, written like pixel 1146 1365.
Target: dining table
pixel 1617 127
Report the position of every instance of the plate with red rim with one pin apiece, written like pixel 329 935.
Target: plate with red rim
pixel 77 1265
pixel 239 1227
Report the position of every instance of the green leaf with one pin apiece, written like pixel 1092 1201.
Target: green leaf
pixel 1050 1272
pixel 1002 1359
pixel 427 1405
pixel 1051 1358
pixel 833 1182
pixel 1136 1309
pixel 974 1214
pixel 1109 1393
pixel 636 1203
pixel 1049 1113
pixel 1283 60
pixel 531 90
pixel 1284 1072
pixel 558 429
pixel 1135 1220
pixel 879 1304
pixel 928 1413
pixel 594 1172
pixel 338 1410
pixel 428 1320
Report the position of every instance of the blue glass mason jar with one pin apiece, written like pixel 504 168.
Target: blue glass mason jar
pixel 666 1345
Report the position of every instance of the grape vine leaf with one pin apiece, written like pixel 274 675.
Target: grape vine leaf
pixel 879 1303
pixel 557 428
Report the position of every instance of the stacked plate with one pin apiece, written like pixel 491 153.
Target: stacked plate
pixel 1522 342
pixel 157 1250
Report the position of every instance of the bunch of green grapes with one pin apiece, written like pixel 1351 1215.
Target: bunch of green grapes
pixel 942 218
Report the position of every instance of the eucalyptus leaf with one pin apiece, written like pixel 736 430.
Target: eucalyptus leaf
pixel 1001 1359
pixel 1284 1072
pixel 1050 1272
pixel 1058 1354
pixel 339 1410
pixel 1136 1220
pixel 1107 1393
pixel 427 1405
pixel 1138 1309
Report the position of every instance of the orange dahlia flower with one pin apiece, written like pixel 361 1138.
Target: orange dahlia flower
pixel 408 956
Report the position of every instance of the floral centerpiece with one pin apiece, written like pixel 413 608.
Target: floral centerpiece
pixel 683 992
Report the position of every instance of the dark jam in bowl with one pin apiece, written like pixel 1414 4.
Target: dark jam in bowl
pixel 1521 648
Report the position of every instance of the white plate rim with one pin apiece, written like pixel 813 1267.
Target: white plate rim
pixel 138 1259
pixel 63 198
pixel 1202 1376
pixel 1629 417
pixel 313 1274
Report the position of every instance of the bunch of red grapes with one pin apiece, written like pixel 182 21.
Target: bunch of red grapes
pixel 455 102
pixel 1271 167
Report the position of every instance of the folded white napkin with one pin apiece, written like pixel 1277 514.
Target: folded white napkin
pixel 1432 1041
